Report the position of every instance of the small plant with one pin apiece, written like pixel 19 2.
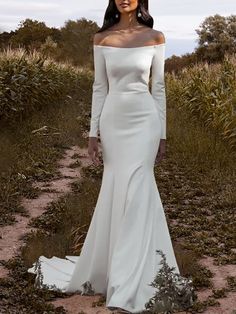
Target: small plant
pixel 231 280
pixel 174 292
pixel 39 278
pixel 87 289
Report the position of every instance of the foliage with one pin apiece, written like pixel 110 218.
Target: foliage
pixel 173 291
pixel 177 63
pixel 208 93
pixel 38 129
pixel 73 42
pixel 77 41
pixel 18 295
pixel 217 35
pixel 49 47
pixel 31 34
pixel 29 82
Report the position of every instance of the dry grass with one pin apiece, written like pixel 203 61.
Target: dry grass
pixel 34 137
pixel 208 93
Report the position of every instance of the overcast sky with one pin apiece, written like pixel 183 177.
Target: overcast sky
pixel 176 19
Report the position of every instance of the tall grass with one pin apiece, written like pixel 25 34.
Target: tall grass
pixel 29 82
pixel 208 93
pixel 43 106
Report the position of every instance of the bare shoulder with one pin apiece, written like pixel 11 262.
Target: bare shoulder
pixel 158 37
pixel 98 38
pixel 104 37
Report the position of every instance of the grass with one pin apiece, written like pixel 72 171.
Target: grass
pixel 29 150
pixel 202 197
pixel 61 231
pixel 57 238
pixel 208 93
pixel 29 82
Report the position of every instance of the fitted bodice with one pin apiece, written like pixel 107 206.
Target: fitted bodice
pixel 127 70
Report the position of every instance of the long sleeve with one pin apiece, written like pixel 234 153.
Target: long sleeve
pixel 158 85
pixel 99 90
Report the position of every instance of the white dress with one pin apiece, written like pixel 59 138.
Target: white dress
pixel 118 257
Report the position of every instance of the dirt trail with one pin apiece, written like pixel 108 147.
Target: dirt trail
pixel 11 240
pixel 11 236
pixel 228 304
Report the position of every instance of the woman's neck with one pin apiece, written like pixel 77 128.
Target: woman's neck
pixel 128 21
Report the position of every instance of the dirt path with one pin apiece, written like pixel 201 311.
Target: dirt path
pixel 11 241
pixel 228 304
pixel 11 236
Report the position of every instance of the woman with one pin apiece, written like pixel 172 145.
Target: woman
pixel 118 257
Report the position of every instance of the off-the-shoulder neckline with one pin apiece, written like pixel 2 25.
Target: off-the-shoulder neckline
pixel 148 46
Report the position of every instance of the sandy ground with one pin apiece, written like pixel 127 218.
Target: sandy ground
pixel 10 241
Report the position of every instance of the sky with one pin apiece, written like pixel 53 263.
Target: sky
pixel 176 19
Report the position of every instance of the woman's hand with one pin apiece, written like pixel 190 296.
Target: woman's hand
pixel 161 151
pixel 93 150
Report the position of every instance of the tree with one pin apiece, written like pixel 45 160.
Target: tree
pixel 30 34
pixel 177 63
pixel 5 38
pixel 217 36
pixel 77 41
